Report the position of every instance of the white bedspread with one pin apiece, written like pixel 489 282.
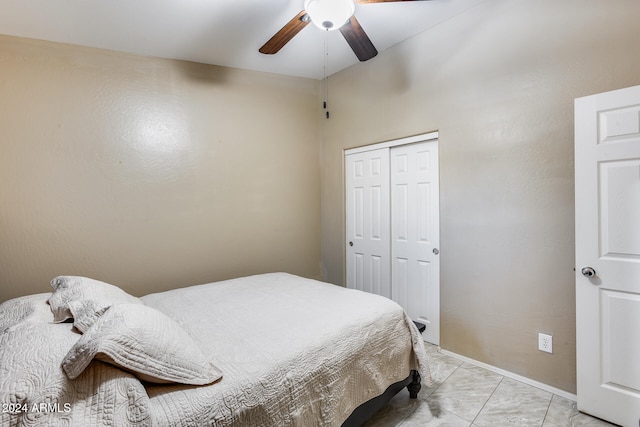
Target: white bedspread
pixel 293 352
pixel 35 391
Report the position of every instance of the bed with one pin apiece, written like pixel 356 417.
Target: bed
pixel 266 350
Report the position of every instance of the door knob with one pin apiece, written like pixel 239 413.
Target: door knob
pixel 588 272
pixel 350 243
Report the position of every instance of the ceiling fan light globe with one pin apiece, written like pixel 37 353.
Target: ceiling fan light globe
pixel 329 14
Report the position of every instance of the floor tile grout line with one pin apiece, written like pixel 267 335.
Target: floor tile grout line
pixel 461 365
pixel 488 399
pixel 431 394
pixel 442 383
pixel 404 420
pixel 446 379
pixel 547 411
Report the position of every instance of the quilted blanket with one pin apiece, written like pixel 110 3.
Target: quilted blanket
pixel 35 391
pixel 293 352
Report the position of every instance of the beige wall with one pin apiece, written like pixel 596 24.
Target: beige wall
pixel 150 173
pixel 498 83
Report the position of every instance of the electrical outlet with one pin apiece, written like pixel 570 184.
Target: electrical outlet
pixel 545 342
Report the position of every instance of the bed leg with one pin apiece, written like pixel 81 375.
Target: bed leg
pixel 414 387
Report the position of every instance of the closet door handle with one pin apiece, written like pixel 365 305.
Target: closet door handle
pixel 350 243
pixel 436 251
pixel 588 272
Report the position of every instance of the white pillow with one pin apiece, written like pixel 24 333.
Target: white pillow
pixel 89 293
pixel 86 313
pixel 144 341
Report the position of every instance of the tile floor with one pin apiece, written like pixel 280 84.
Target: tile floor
pixel 464 395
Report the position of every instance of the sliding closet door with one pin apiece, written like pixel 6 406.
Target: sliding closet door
pixel 392 225
pixel 367 221
pixel 415 236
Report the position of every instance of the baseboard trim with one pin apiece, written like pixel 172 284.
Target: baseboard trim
pixel 513 376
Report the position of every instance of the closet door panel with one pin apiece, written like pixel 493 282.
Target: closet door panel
pixel 415 233
pixel 367 221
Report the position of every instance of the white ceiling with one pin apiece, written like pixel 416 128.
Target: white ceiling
pixel 220 32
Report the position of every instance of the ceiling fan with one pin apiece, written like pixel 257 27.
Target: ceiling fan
pixel 328 15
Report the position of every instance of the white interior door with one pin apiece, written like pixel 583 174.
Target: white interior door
pixel 367 221
pixel 607 172
pixel 415 234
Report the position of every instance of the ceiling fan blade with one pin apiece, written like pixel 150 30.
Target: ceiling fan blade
pixel 380 1
pixel 358 40
pixel 285 34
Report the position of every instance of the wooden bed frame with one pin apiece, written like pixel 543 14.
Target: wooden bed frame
pixel 369 408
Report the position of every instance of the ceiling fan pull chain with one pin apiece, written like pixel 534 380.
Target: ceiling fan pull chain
pixel 325 104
